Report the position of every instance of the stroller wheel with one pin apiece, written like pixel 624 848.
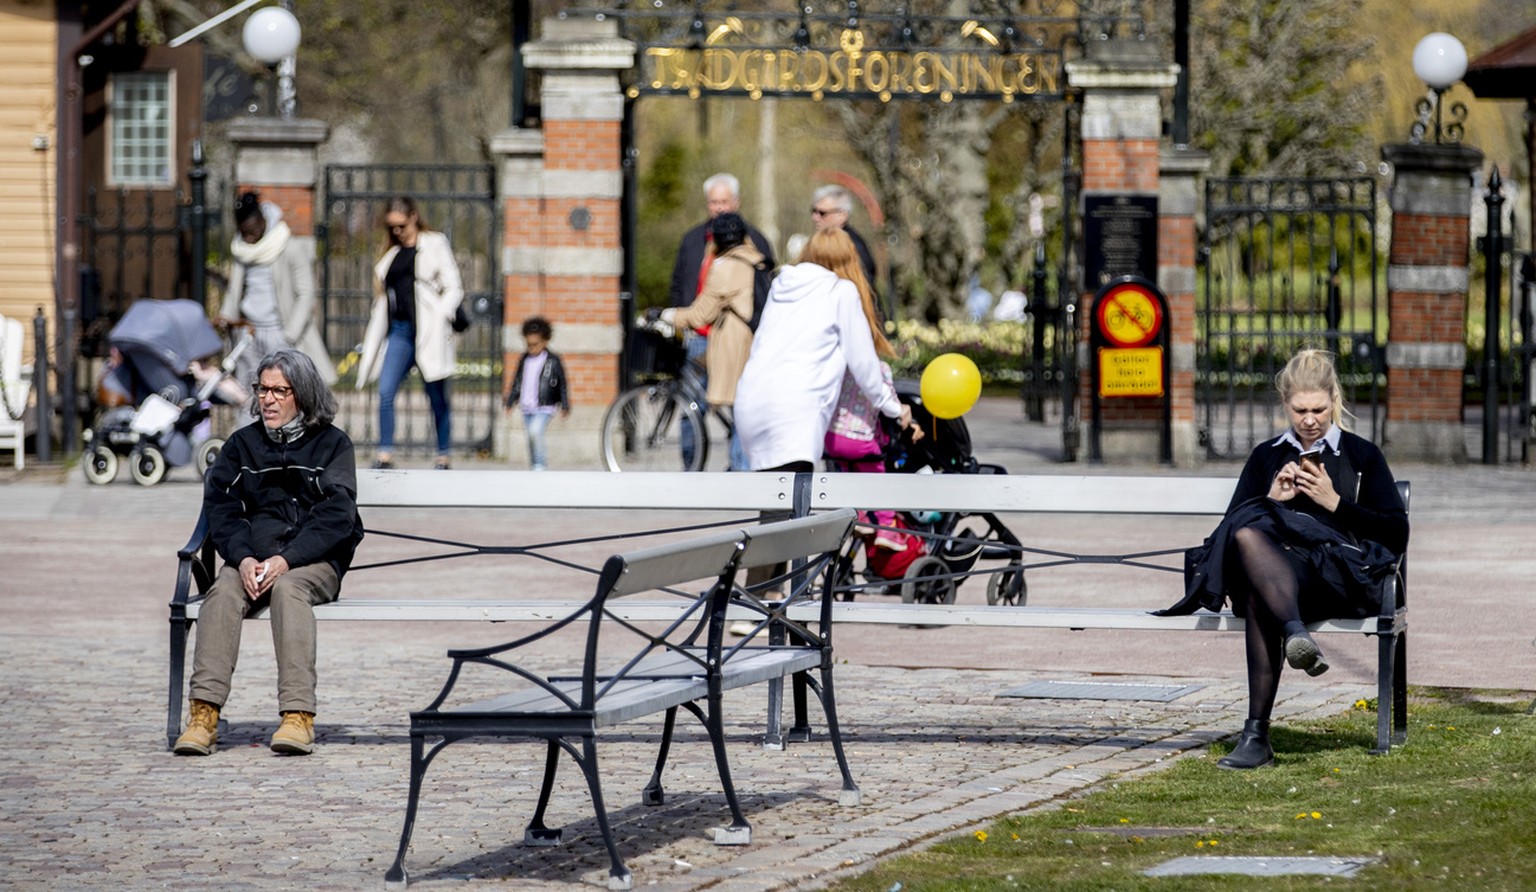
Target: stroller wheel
pixel 100 465
pixel 148 466
pixel 207 451
pixel 918 588
pixel 1008 588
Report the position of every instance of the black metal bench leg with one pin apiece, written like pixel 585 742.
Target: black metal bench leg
pixel 619 877
pixel 801 731
pixel 739 833
pixel 537 834
pixel 1386 699
pixel 396 877
pixel 653 794
pixel 850 794
pixel 178 679
pixel 1400 692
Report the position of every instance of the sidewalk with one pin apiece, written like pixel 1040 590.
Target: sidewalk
pixel 92 798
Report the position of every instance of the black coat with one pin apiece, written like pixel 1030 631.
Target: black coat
pixel 298 500
pixel 1346 552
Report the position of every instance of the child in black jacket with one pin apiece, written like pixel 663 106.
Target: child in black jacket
pixel 546 393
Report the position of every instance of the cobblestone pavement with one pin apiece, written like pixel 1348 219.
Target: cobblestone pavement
pixel 91 798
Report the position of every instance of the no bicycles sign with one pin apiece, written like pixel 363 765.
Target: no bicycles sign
pixel 1130 315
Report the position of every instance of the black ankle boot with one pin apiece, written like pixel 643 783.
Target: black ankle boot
pixel 1252 750
pixel 1301 652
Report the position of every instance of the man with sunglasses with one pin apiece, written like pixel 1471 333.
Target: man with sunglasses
pixel 281 506
pixel 830 208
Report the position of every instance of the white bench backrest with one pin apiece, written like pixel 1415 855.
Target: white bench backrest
pixel 675 563
pixel 12 342
pixel 1164 494
pixel 802 537
pixel 574 489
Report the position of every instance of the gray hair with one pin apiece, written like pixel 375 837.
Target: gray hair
pixel 316 405
pixel 838 194
pixel 726 180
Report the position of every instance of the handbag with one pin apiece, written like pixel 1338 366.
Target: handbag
pixel 460 319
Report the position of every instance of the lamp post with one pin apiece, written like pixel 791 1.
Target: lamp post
pixel 271 36
pixel 1439 60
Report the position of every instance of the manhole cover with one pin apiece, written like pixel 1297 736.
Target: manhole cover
pixel 1258 866
pixel 1101 690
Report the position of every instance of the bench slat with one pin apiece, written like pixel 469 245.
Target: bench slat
pixel 628 699
pixel 1000 493
pixel 575 489
pixel 1054 618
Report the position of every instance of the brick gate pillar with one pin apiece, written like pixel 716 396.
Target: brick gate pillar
pixel 1431 199
pixel 280 159
pixel 1177 246
pixel 563 253
pixel 1122 125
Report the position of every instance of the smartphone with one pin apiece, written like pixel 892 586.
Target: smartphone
pixel 1312 462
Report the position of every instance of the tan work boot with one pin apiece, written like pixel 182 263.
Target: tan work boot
pixel 296 735
pixel 202 734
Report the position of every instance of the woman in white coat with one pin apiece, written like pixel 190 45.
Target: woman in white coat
pixel 813 329
pixel 416 291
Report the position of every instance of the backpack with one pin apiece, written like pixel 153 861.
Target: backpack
pixel 762 281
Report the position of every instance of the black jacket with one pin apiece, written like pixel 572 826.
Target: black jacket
pixel 690 256
pixel 298 500
pixel 553 390
pixel 1348 550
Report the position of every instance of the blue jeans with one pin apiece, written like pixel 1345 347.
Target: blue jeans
pixel 695 345
pixel 538 449
pixel 399 356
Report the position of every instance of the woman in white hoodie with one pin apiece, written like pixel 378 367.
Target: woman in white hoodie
pixel 813 329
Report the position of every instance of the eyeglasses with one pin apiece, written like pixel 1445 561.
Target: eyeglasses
pixel 819 212
pixel 396 227
pixel 277 393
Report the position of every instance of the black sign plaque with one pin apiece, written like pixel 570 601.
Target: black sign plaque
pixel 1120 233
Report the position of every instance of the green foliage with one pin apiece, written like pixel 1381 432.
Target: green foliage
pixel 1450 809
pixel 664 191
pixel 997 348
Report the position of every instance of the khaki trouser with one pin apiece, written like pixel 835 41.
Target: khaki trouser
pixel 292 599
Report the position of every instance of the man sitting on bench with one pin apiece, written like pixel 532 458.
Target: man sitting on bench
pixel 281 503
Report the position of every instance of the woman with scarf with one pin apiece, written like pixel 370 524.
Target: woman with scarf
pixel 272 290
pixel 1314 527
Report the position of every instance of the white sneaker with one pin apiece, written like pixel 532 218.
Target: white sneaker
pixel 889 543
pixel 741 628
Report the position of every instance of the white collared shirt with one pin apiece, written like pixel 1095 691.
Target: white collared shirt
pixel 1331 438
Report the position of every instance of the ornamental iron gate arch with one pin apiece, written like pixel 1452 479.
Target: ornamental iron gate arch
pixel 845 49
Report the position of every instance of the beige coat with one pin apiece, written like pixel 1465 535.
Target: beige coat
pixel 439 291
pixel 293 278
pixel 727 288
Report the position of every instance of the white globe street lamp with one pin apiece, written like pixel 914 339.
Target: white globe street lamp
pixel 271 35
pixel 1439 60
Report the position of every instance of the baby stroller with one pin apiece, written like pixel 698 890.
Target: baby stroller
pixel 157 393
pixel 940 551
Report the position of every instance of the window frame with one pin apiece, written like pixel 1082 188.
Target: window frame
pixel 112 176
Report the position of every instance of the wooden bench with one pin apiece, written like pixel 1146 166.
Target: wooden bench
pixel 627 673
pixel 435 491
pixel 1108 495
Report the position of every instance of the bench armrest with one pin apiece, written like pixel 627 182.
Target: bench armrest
pixel 195 564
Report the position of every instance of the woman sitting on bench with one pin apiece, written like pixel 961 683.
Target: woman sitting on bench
pixel 1314 527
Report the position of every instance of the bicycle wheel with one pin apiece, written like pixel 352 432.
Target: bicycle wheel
pixel 644 431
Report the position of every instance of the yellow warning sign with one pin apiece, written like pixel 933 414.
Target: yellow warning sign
pixel 1133 371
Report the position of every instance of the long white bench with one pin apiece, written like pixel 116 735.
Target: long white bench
pixel 798 495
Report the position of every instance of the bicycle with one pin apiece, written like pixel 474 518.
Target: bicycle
pixel 662 424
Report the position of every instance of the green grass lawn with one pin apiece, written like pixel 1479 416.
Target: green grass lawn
pixel 1454 809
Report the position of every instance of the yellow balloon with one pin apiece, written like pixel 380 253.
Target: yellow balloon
pixel 950 385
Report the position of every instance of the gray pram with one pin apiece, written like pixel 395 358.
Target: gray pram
pixel 158 368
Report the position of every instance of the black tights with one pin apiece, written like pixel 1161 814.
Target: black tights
pixel 1273 612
